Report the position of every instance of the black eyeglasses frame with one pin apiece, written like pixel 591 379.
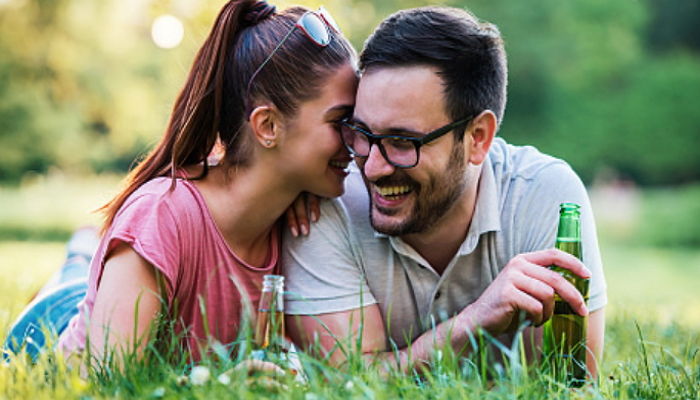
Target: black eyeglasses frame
pixel 417 142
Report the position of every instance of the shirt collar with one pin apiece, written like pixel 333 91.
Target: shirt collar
pixel 486 215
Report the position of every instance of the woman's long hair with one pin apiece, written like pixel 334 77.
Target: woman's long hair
pixel 212 104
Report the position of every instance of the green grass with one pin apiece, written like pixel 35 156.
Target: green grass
pixel 652 339
pixel 24 267
pixel 51 207
pixel 663 363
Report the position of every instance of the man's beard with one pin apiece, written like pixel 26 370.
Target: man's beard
pixel 431 201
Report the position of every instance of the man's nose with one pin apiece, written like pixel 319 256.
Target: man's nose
pixel 376 166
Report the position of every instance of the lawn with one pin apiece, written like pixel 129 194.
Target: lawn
pixel 652 340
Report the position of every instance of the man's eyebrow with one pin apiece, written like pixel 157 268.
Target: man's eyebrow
pixel 400 131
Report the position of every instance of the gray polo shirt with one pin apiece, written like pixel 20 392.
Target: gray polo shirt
pixel 344 264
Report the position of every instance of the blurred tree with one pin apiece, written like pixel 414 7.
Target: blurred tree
pixel 584 87
pixel 674 25
pixel 600 83
pixel 81 85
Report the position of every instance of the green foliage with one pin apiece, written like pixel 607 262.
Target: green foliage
pixel 674 25
pixel 79 87
pixel 664 217
pixel 52 206
pixel 601 84
pixel 585 87
pixel 670 218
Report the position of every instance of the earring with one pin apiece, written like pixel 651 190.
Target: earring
pixel 268 143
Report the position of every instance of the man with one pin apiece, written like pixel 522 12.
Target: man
pixel 440 236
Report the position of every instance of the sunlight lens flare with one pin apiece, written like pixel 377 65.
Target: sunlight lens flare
pixel 167 31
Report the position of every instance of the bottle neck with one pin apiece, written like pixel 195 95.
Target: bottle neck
pixel 569 228
pixel 569 231
pixel 272 296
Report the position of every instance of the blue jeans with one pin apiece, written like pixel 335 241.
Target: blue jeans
pixel 57 302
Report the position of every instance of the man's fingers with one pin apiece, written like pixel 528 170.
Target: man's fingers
pixel 560 259
pixel 541 292
pixel 564 288
pixel 530 305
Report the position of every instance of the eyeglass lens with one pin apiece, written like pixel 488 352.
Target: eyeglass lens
pixel 398 151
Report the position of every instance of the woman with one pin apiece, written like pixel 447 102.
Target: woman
pixel 269 88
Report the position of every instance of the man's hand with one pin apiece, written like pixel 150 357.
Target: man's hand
pixel 525 284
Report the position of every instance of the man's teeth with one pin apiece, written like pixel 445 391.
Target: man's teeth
pixel 339 164
pixel 393 190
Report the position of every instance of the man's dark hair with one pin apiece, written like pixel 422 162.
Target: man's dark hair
pixel 467 53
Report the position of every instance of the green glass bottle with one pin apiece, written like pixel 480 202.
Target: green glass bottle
pixel 564 335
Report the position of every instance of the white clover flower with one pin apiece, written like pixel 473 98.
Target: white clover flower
pixel 158 392
pixel 349 385
pixel 182 380
pixel 224 379
pixel 199 375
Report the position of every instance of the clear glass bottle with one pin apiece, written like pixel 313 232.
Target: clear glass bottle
pixel 270 341
pixel 269 325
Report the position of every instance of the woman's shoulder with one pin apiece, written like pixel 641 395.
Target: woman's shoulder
pixel 164 191
pixel 177 201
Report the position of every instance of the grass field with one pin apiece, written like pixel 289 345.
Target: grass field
pixel 652 341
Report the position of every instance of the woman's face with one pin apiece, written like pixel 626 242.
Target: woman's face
pixel 313 154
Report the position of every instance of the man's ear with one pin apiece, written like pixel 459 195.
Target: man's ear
pixel 264 123
pixel 481 132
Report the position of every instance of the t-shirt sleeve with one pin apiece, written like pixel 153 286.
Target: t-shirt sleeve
pixel 539 211
pixel 147 224
pixel 323 272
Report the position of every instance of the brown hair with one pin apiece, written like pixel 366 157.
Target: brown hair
pixel 469 55
pixel 212 104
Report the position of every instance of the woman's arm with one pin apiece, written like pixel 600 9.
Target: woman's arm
pixel 126 304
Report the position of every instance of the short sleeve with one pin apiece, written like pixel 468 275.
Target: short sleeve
pixel 324 273
pixel 147 224
pixel 538 217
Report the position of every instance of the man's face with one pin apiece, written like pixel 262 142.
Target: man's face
pixel 409 101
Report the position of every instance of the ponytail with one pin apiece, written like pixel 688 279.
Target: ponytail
pixel 211 105
pixel 194 123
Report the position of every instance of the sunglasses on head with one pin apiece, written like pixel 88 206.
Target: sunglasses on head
pixel 316 25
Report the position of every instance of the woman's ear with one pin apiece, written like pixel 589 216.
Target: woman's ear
pixel 264 122
pixel 481 132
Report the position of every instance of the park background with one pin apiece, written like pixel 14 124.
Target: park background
pixel 611 86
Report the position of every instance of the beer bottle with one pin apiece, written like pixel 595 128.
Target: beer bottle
pixel 269 326
pixel 564 335
pixel 270 342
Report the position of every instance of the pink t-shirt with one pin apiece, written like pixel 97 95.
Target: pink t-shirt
pixel 174 232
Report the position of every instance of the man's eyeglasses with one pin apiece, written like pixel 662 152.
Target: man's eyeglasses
pixel 399 151
pixel 315 26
